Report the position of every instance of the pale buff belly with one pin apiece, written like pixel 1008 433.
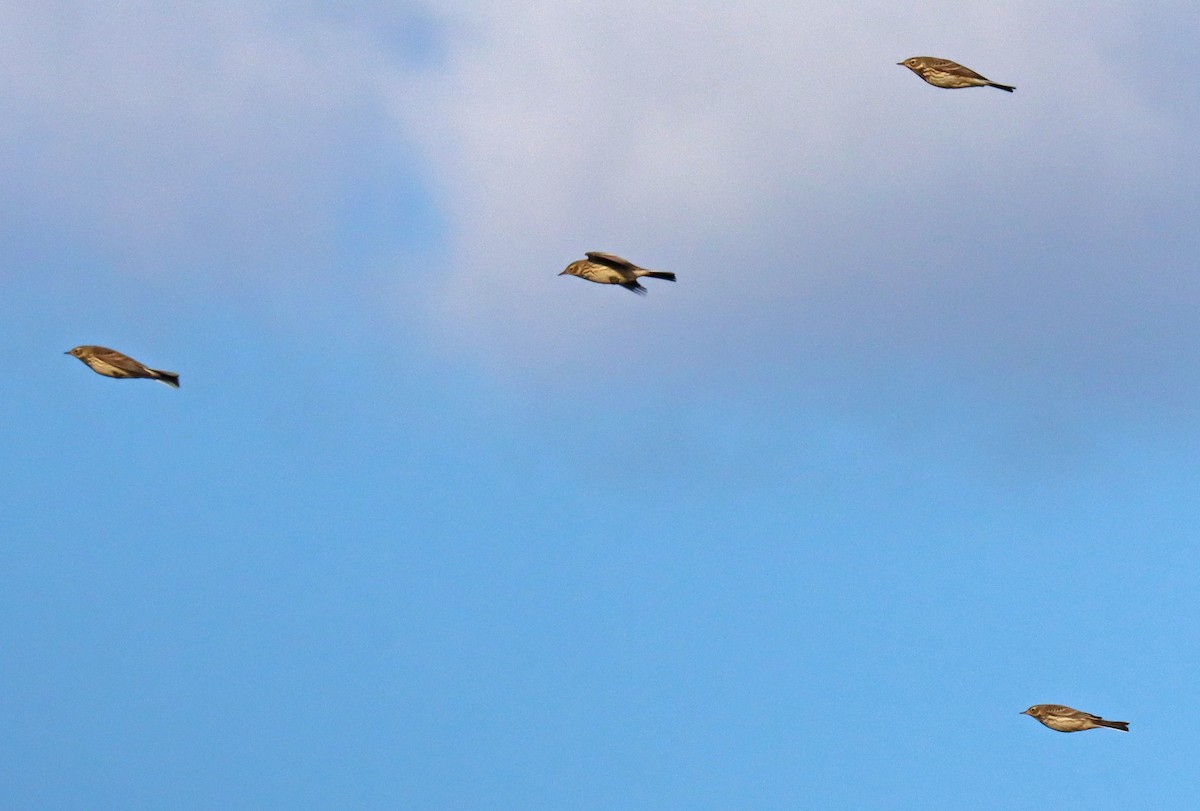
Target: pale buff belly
pixel 108 370
pixel 605 276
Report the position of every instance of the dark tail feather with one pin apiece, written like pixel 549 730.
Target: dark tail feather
pixel 661 274
pixel 1006 88
pixel 1121 725
pixel 635 287
pixel 170 378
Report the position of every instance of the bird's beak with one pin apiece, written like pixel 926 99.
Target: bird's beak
pixel 901 64
pixel 1023 712
pixel 68 352
pixel 564 273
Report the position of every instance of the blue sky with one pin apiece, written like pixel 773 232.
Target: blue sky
pixel 911 445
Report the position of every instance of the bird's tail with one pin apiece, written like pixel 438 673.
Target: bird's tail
pixel 1007 88
pixel 170 378
pixel 659 274
pixel 1121 725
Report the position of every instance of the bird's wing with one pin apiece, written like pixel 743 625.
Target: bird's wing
pixel 114 358
pixel 611 261
pixel 946 66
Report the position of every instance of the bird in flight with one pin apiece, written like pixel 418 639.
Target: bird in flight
pixel 604 268
pixel 1065 719
pixel 111 363
pixel 947 74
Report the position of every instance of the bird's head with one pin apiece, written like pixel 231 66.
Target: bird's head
pixel 572 269
pixel 1033 711
pixel 912 63
pixel 77 352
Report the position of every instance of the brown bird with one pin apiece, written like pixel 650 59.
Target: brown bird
pixel 604 268
pixel 947 74
pixel 111 363
pixel 1065 719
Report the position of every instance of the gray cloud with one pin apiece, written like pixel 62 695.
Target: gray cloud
pixel 220 144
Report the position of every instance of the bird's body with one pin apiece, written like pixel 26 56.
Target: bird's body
pixel 111 363
pixel 950 75
pixel 604 268
pixel 1065 719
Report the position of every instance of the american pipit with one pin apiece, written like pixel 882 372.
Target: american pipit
pixel 947 74
pixel 604 268
pixel 111 363
pixel 1065 719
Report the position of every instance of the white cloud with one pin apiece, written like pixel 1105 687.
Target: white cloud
pixel 804 187
pixel 815 198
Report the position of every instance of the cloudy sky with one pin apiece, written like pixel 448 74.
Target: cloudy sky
pixel 911 445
